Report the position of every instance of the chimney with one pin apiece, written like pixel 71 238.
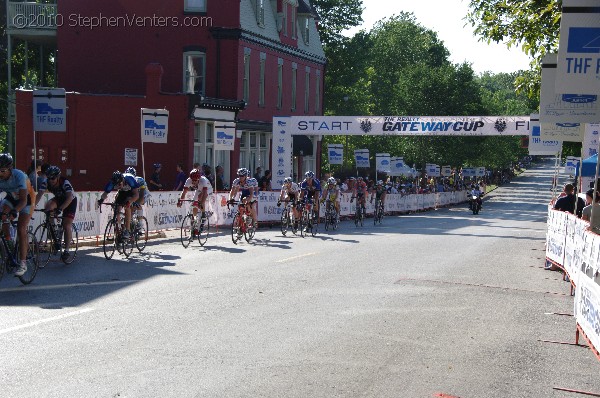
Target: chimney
pixel 154 73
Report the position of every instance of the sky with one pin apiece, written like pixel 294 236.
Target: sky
pixel 446 17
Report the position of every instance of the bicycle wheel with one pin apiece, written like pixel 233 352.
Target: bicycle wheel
pixel 303 226
pixel 141 233
pixel 127 245
pixel 32 258
pixel 3 258
pixel 314 226
pixel 357 216
pixel 236 228
pixel 73 246
pixel 381 214
pixel 45 243
pixel 203 231
pixel 186 230
pixel 110 240
pixel 285 221
pixel 250 230
pixel 362 217
pixel 327 220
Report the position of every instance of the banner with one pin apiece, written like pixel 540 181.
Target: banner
pixel 572 132
pixel 224 138
pixel 382 162
pixel 446 171
pixel 590 140
pixel 538 146
pixel 571 165
pixel 361 157
pixel 281 151
pixel 469 172
pixel 396 164
pixel 155 125
pixel 480 172
pixel 432 169
pixel 335 153
pixel 131 157
pixel 50 110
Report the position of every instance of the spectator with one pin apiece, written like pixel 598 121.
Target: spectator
pixel 586 213
pixel 220 183
pixel 265 181
pixel 154 182
pixel 207 171
pixel 344 186
pixel 568 200
pixel 257 174
pixel 180 178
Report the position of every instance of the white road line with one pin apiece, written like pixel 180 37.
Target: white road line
pixel 52 287
pixel 293 258
pixel 54 318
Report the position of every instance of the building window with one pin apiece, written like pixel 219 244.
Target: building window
pixel 260 12
pixel 246 84
pixel 279 83
pixel 284 19
pixel 194 64
pixel 294 10
pixel 294 80
pixel 203 142
pixel 318 93
pixel 254 150
pixel 261 80
pixel 306 90
pixel 194 5
pixel 306 30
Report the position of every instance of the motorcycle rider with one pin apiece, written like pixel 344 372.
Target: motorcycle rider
pixel 478 194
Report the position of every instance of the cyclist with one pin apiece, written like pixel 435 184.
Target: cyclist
pixel 289 193
pixel 64 201
pixel 128 192
pixel 379 191
pixel 247 187
pixel 332 193
pixel 201 185
pixel 311 189
pixel 359 192
pixel 143 191
pixel 17 203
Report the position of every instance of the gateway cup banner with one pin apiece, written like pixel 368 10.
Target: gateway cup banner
pixel 410 125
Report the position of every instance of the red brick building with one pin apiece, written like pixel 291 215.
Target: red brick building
pixel 205 61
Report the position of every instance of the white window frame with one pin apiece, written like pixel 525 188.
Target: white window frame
pixel 294 20
pixel 307 90
pixel 260 12
pixel 284 19
pixel 279 83
pixel 294 85
pixel 261 79
pixel 187 87
pixel 203 142
pixel 189 7
pixel 246 82
pixel 253 155
pixel 317 91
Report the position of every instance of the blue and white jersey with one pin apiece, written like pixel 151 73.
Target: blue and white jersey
pixel 246 187
pixel 129 183
pixel 14 183
pixel 316 185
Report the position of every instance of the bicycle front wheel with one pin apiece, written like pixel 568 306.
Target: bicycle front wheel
pixel 110 240
pixel 73 245
pixel 250 230
pixel 203 231
pixel 285 221
pixel 45 243
pixel 32 259
pixel 141 233
pixel 186 230
pixel 236 228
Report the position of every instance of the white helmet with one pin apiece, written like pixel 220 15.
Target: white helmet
pixel 331 180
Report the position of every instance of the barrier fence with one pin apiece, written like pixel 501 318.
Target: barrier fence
pixel 162 212
pixel 573 247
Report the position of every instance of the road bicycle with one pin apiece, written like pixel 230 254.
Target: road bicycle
pixel 331 215
pixel 194 227
pixel 243 224
pixel 359 214
pixel 309 220
pixel 11 258
pixel 113 234
pixel 49 235
pixel 288 221
pixel 139 228
pixel 379 211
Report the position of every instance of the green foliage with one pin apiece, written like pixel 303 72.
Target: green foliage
pixel 336 16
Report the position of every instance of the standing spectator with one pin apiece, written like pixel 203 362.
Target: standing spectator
pixel 180 178
pixel 567 201
pixel 207 171
pixel 265 181
pixel 257 175
pixel 586 214
pixel 154 182
pixel 220 184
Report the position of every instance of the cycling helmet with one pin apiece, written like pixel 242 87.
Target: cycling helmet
pixel 130 170
pixel 359 178
pixel 6 160
pixel 331 180
pixel 53 171
pixel 309 174
pixel 243 172
pixel 157 165
pixel 117 177
pixel 287 180
pixel 352 178
pixel 379 182
pixel 195 175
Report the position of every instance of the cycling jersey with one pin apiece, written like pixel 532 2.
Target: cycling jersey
pixel 18 180
pixel 312 188
pixel 198 186
pixel 143 187
pixel 61 190
pixel 379 191
pixel 245 187
pixel 129 183
pixel 331 193
pixel 293 189
pixel 361 187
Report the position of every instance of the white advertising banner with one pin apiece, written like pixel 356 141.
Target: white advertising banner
pixel 155 125
pixel 431 169
pixel 537 146
pixel 446 171
pixel 361 157
pixel 396 164
pixel 224 138
pixel 556 235
pixel 281 151
pixel 335 153
pixel 572 132
pixel 382 162
pixel 590 140
pixel 571 165
pixel 50 110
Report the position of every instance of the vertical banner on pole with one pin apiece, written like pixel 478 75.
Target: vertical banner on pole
pixel 382 162
pixel 362 158
pixel 538 145
pixel 155 125
pixel 335 153
pixel 224 138
pixel 50 110
pixel 281 152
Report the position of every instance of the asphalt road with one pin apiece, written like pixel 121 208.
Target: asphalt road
pixel 433 303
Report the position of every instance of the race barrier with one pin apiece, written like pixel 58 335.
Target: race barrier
pixel 162 212
pixel 571 246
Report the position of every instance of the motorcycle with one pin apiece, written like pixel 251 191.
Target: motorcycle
pixel 475 203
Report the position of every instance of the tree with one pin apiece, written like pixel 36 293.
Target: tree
pixel 532 24
pixel 335 17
